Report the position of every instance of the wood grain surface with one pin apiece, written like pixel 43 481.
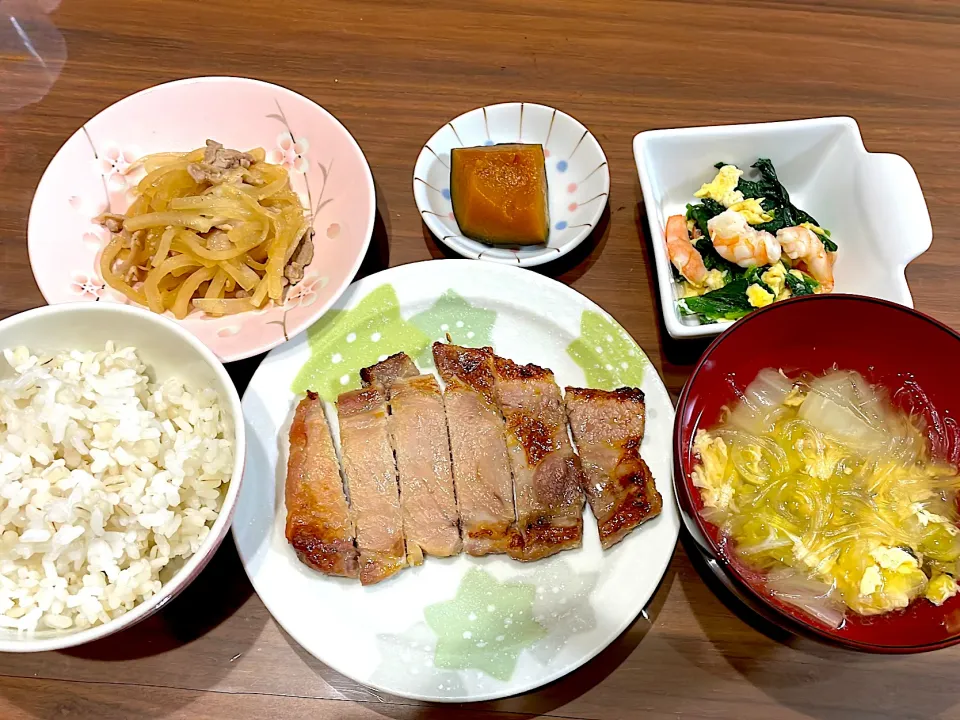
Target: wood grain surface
pixel 393 71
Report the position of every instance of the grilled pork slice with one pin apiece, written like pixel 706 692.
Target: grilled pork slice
pixel 546 472
pixel 418 433
pixel 481 469
pixel 319 526
pixel 372 482
pixel 386 372
pixel 608 429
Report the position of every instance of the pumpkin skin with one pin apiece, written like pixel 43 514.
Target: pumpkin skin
pixel 499 193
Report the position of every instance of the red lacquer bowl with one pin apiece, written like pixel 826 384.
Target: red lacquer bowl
pixel 903 350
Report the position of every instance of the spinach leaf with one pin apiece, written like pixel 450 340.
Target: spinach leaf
pixel 702 212
pixel 828 244
pixel 753 277
pixel 712 259
pixel 727 303
pixel 776 199
pixel 755 189
pixel 801 286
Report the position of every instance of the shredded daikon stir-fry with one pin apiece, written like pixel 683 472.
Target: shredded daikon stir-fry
pixel 827 488
pixel 215 230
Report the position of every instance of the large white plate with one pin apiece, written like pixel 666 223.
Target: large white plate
pixel 462 628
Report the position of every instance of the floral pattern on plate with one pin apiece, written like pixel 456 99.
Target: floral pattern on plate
pixel 95 172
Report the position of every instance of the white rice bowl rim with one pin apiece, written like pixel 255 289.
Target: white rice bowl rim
pixel 10 640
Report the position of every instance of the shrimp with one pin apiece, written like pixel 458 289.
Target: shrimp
pixel 683 254
pixel 739 243
pixel 802 244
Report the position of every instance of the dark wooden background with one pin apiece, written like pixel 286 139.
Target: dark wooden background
pixel 393 71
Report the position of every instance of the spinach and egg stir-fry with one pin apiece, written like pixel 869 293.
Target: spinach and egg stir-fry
pixel 833 493
pixel 746 245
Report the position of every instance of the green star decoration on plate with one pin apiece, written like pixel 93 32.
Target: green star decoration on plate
pixel 343 341
pixel 468 325
pixel 607 355
pixel 485 626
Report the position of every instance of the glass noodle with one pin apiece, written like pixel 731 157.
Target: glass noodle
pixel 822 484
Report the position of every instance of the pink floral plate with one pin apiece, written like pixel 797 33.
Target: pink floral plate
pixel 86 177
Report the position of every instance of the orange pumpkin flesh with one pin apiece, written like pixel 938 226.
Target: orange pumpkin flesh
pixel 499 194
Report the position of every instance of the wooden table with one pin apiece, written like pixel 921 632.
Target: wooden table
pixel 393 72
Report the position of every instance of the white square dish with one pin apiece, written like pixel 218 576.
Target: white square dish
pixel 871 202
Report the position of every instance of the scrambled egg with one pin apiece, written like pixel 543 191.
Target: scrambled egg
pixel 759 297
pixel 893 542
pixel 892 581
pixel 925 517
pixel 752 210
pixel 713 281
pixel 940 589
pixel 723 188
pixel 816 229
pixel 775 278
pixel 819 462
pixel 716 489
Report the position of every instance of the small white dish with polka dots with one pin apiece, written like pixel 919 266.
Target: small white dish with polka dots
pixel 578 178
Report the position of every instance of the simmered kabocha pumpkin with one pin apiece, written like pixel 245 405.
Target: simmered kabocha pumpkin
pixel 499 193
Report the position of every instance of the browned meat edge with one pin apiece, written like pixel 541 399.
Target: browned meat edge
pixel 386 372
pixel 640 500
pixel 469 366
pixel 307 533
pixel 540 536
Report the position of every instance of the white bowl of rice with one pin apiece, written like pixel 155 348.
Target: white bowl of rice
pixel 121 453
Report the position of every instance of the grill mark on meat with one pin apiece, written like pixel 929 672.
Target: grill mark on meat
pixel 535 437
pixel 642 500
pixel 389 370
pixel 546 471
pixel 608 429
pixel 318 526
pixel 471 367
pixel 371 473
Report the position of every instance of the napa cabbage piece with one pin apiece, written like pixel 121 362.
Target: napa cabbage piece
pixel 211 230
pixel 822 484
